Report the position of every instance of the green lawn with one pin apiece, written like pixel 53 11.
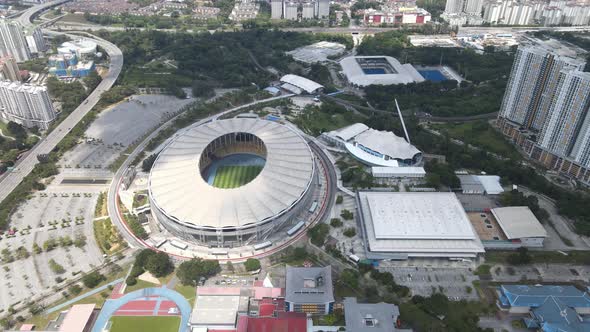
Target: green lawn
pixel 235 176
pixel 189 292
pixel 142 324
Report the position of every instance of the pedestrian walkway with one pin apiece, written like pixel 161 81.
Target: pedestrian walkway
pixel 85 295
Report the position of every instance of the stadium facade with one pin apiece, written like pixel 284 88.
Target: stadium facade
pixel 191 207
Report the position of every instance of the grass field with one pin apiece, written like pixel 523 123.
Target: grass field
pixel 235 176
pixel 142 324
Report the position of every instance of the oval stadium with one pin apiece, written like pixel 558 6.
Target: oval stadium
pixel 230 183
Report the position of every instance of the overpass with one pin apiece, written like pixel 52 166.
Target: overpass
pixel 24 167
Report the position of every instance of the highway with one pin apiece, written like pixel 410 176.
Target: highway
pixel 48 143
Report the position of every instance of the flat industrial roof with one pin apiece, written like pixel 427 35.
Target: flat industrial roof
pixel 518 222
pixel 303 287
pixel 418 224
pixel 219 310
pixel 405 73
pixel 77 318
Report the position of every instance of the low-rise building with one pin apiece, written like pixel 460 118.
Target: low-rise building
pixel 396 16
pixel 550 308
pixel 398 172
pixel 362 71
pixel 402 225
pixel 480 184
pixel 370 317
pixel 69 66
pixel 309 290
pixel 520 226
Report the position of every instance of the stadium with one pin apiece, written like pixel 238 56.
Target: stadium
pixel 230 183
pixel 362 71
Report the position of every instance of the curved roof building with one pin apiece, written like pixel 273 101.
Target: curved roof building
pixel 193 207
pixel 374 147
pixel 305 85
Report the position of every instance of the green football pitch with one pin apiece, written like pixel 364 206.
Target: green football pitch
pixel 235 176
pixel 145 323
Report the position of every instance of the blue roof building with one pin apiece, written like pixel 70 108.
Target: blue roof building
pixel 552 308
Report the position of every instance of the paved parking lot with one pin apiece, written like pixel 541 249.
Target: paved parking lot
pixel 118 127
pixel 541 272
pixel 47 216
pixel 424 281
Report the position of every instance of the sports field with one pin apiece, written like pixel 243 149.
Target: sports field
pixel 145 323
pixel 235 176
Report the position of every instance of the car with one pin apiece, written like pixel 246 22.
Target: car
pixel 223 282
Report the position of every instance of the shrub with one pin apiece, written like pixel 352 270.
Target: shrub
pixel 350 232
pixel 336 222
pixel 92 279
pixel 131 281
pixel 75 289
pixel 252 264
pixel 339 199
pixel 346 215
pixel 318 234
pixel 56 267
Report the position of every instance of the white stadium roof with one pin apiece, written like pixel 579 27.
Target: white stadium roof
pixel 178 189
pixel 406 73
pixel 387 143
pixel 419 224
pixel 518 222
pixel 349 132
pixel 303 83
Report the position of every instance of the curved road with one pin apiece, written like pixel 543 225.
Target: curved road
pixel 117 218
pixel 47 144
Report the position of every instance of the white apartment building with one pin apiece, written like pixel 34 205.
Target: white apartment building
pixel 28 105
pixel 13 42
pixel 35 41
pixel 532 85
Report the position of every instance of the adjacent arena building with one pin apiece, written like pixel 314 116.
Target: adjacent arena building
pixel 361 71
pixel 373 147
pixel 233 182
pixel 402 225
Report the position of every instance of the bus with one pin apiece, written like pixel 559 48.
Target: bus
pixel 178 245
pixel 354 258
pixel 219 252
pixel 160 243
pixel 296 228
pixel 314 206
pixel 262 245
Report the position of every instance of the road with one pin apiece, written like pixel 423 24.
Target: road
pixel 562 225
pixel 26 18
pixel 47 144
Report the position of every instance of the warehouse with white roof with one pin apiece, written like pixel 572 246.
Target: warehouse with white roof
pixel 402 225
pixel 298 85
pixel 521 227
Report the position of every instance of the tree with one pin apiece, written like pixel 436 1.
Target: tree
pixel 252 264
pixel 189 272
pixel 230 266
pixel 349 232
pixel 339 199
pixel 92 80
pixel 92 279
pixel 349 278
pixel 56 267
pixel 318 234
pixel 148 162
pixel 521 257
pixel 16 130
pixel 75 289
pixel 346 214
pixel 336 222
pixel 159 264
